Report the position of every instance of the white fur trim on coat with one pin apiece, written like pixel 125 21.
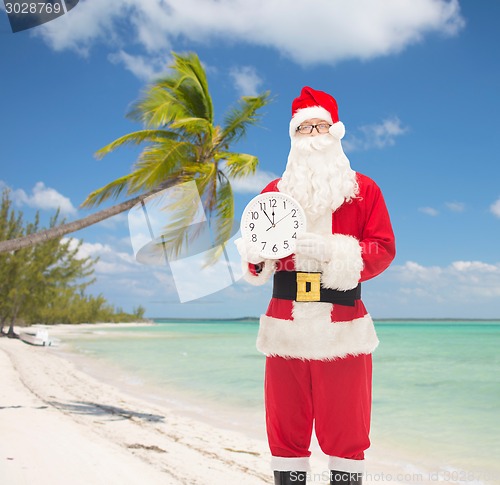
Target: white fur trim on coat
pixel 316 338
pixel 292 464
pixel 263 276
pixel 343 270
pixel 306 114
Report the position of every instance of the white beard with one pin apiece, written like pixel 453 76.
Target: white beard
pixel 318 175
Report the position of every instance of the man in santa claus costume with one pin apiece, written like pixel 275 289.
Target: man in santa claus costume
pixel 318 364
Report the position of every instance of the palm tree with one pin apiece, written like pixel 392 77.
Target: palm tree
pixel 182 144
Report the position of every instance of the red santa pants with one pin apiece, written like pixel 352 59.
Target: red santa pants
pixel 334 395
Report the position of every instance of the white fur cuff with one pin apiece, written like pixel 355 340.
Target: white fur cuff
pixel 343 270
pixel 346 465
pixel 284 464
pixel 262 277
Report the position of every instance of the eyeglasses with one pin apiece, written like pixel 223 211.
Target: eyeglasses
pixel 308 129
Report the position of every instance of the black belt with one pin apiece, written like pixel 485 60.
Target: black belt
pixel 298 286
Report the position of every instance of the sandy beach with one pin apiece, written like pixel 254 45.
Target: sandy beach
pixel 60 425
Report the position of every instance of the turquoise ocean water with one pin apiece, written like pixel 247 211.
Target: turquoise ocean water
pixel 436 394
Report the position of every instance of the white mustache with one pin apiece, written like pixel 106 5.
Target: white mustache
pixel 308 144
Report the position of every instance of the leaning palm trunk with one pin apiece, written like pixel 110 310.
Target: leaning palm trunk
pixel 63 229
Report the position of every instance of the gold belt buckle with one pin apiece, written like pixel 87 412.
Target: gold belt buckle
pixel 308 287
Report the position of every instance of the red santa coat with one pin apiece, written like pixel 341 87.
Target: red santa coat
pixel 362 243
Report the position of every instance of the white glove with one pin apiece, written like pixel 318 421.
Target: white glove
pixel 314 246
pixel 248 252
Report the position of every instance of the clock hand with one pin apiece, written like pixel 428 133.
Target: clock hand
pixel 271 221
pixel 278 221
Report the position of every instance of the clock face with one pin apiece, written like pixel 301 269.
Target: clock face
pixel 271 222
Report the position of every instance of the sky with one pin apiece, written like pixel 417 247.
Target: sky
pixel 417 83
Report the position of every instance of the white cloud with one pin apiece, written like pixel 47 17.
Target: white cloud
pixel 460 282
pixel 144 67
pixel 412 271
pixel 253 184
pixel 121 279
pixel 495 208
pixel 376 135
pixel 43 198
pixel 451 206
pixel 90 22
pixel 474 266
pixel 111 261
pixel 246 80
pixel 430 211
pixel 455 206
pixel 360 29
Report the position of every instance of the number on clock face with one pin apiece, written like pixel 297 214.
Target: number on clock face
pixel 271 222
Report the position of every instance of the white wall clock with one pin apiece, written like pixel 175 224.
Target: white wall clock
pixel 271 222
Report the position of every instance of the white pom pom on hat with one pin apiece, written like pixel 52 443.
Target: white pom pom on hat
pixel 337 130
pixel 316 104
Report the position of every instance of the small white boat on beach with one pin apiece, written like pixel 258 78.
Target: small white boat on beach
pixel 36 336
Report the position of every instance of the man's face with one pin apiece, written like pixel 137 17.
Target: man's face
pixel 318 126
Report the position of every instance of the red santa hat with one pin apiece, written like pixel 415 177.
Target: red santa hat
pixel 316 104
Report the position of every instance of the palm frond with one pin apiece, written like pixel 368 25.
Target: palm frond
pixel 204 174
pixel 158 163
pixel 182 212
pixel 136 138
pixel 193 82
pixel 241 117
pixel 155 166
pixel 182 94
pixel 239 164
pixel 158 107
pixel 223 219
pixel 112 190
pixel 191 125
pixel 224 210
pixel 180 233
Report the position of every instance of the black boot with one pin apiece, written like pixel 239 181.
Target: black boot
pixel 290 478
pixel 345 478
